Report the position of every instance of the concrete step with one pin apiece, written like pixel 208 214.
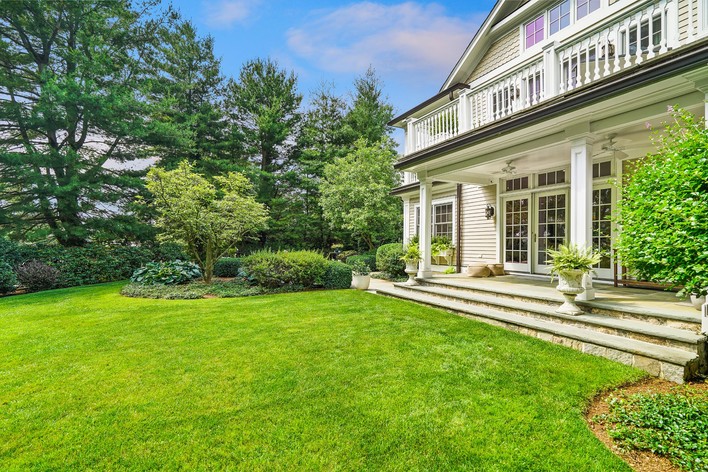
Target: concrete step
pixel 666 362
pixel 627 327
pixel 685 321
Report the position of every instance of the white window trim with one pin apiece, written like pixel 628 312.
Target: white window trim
pixel 434 202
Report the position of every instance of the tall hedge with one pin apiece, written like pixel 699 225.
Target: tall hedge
pixel 664 209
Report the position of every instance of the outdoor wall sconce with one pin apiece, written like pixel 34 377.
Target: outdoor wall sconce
pixel 489 212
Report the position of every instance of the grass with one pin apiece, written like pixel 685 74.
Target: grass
pixel 338 380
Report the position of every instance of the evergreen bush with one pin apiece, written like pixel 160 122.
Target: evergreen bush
pixel 388 259
pixel 277 269
pixel 338 275
pixel 8 280
pixel 368 259
pixel 227 267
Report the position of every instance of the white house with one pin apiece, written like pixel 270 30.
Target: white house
pixel 547 105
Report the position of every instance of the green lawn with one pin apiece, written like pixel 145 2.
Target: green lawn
pixel 339 380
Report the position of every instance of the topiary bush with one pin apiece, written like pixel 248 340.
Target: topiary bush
pixel 227 267
pixel 277 269
pixel 36 276
pixel 8 279
pixel 368 259
pixel 166 273
pixel 388 259
pixel 338 275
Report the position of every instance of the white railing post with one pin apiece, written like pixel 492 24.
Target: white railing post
pixel 424 241
pixel 551 71
pixel 410 137
pixel 464 112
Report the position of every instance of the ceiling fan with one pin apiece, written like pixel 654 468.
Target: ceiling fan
pixel 508 169
pixel 611 147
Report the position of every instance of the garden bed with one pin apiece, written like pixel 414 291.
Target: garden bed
pixel 219 288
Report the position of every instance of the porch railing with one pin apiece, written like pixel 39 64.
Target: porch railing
pixel 621 43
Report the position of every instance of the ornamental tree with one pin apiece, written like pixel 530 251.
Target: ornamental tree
pixel 663 211
pixel 356 193
pixel 208 217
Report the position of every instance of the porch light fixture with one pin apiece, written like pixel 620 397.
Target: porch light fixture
pixel 489 212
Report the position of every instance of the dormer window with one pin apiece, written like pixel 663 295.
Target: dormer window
pixel 585 7
pixel 559 17
pixel 534 31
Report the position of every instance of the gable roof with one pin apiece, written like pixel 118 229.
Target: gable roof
pixel 481 40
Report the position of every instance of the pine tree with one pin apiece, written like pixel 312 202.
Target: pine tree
pixel 74 118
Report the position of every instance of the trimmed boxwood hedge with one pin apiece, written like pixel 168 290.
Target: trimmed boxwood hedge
pixel 227 267
pixel 388 259
pixel 338 275
pixel 278 269
pixel 368 259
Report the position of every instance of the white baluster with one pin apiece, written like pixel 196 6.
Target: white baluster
pixel 650 53
pixel 627 51
pixel 618 47
pixel 596 69
pixel 665 15
pixel 640 49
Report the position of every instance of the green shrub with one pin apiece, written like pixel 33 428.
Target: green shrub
pixel 227 267
pixel 344 255
pixel 166 273
pixel 10 252
pixel 368 259
pixel 36 276
pixel 673 425
pixel 388 259
pixel 90 264
pixel 277 269
pixel 8 280
pixel 338 275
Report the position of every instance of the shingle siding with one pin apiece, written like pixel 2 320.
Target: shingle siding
pixel 501 52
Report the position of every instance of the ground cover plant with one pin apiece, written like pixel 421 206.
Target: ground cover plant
pixel 306 381
pixel 670 424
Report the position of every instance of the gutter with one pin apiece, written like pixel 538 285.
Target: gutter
pixel 639 75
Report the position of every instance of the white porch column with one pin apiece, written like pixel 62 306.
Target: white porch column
pixel 410 144
pixel 581 202
pixel 464 117
pixel 551 71
pixel 406 220
pixel 426 186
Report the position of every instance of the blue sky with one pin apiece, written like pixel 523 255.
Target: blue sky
pixel 412 45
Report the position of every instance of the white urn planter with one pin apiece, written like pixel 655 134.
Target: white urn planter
pixel 412 271
pixel 570 284
pixel 697 301
pixel 361 282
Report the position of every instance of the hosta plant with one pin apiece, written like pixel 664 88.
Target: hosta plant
pixel 166 273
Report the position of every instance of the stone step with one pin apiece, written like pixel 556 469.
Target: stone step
pixel 669 363
pixel 691 322
pixel 626 327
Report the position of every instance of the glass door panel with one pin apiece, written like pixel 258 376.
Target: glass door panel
pixel 516 234
pixel 551 224
pixel 602 230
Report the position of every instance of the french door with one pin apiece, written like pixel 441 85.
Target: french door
pixel 517 234
pixel 550 227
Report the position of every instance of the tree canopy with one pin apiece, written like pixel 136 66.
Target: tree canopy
pixel 210 218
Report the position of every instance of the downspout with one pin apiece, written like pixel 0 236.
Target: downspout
pixel 458 238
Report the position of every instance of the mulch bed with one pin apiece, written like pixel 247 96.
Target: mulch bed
pixel 640 461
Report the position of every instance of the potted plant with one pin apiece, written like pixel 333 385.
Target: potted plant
pixel 571 263
pixel 360 275
pixel 441 246
pixel 411 257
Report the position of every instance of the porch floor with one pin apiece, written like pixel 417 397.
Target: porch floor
pixel 622 298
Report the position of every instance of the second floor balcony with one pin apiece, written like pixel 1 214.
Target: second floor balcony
pixel 621 42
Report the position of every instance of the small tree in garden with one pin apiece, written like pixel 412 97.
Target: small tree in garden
pixel 664 209
pixel 355 193
pixel 209 218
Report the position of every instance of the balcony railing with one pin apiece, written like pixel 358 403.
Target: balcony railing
pixel 619 44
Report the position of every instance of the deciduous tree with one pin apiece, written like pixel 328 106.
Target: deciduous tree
pixel 209 218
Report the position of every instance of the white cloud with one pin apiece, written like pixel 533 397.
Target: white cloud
pixel 406 38
pixel 225 13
